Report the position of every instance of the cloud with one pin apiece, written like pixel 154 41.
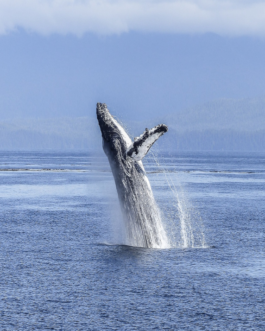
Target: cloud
pixel 224 17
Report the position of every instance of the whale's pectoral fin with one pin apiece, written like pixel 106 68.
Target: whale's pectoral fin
pixel 142 144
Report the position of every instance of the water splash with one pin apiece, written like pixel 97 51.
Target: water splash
pixel 191 224
pixel 137 220
pixel 188 231
pixel 143 223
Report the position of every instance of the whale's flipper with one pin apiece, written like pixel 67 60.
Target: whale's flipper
pixel 142 144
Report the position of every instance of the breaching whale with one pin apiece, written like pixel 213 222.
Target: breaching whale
pixel 144 227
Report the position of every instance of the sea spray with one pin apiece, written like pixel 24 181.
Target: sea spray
pixel 151 222
pixel 184 224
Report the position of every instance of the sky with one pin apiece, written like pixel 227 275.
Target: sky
pixel 225 17
pixel 143 58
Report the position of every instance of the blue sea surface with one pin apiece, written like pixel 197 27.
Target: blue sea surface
pixel 63 266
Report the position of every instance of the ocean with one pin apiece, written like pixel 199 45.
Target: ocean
pixel 65 265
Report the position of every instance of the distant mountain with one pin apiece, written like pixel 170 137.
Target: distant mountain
pixel 222 125
pixel 50 134
pixel 227 114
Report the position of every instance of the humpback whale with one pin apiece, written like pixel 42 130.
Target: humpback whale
pixel 143 223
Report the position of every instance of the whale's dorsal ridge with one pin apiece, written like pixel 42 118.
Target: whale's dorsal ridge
pixel 141 145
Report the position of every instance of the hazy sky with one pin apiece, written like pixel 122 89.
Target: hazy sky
pixel 143 58
pixel 225 17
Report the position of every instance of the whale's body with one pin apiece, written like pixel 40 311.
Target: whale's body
pixel 142 216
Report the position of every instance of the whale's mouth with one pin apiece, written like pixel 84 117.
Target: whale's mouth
pixel 101 108
pixel 115 140
pixel 102 113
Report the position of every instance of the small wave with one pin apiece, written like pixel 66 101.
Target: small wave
pixel 148 172
pixel 204 171
pixel 169 248
pixel 42 170
pixel 59 301
pixel 118 245
pixel 133 247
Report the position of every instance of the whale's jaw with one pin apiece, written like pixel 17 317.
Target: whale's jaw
pixel 113 133
pixel 104 121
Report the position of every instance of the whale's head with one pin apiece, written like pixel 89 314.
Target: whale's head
pixel 115 140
